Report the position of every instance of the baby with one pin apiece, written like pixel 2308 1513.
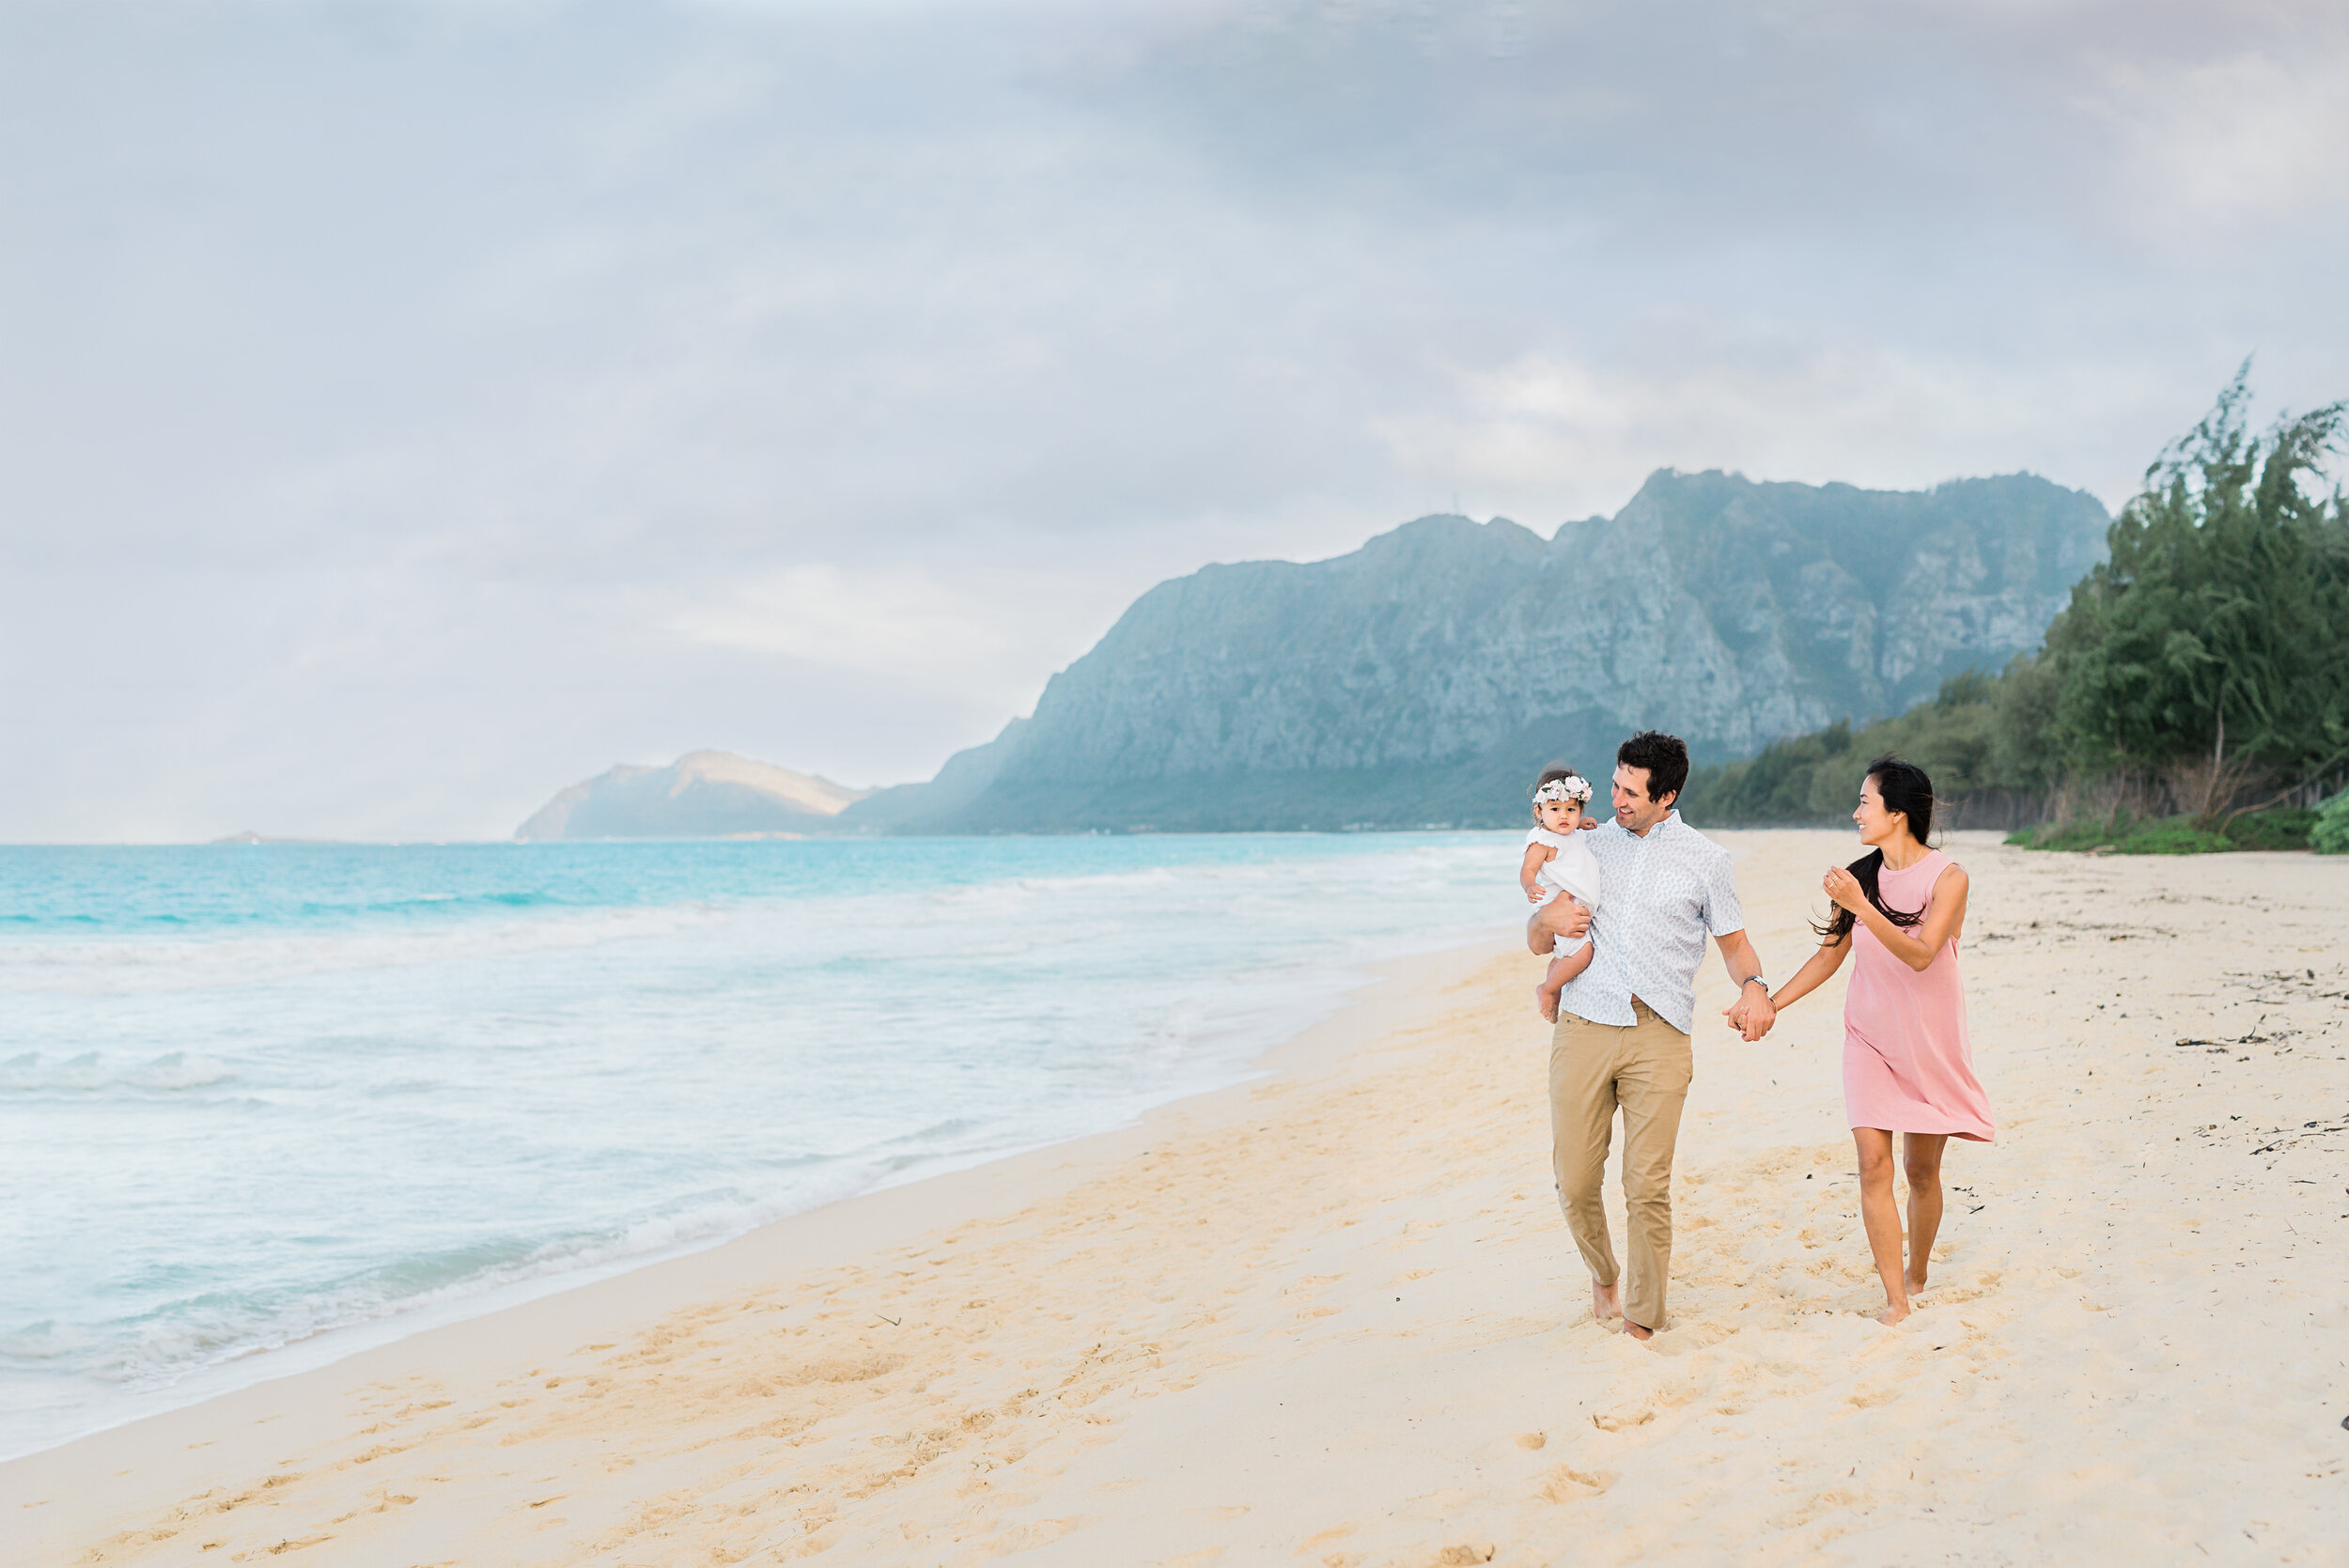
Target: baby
pixel 1557 863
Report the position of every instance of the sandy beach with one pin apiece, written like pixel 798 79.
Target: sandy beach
pixel 1333 1316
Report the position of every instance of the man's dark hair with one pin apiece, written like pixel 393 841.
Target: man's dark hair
pixel 1664 756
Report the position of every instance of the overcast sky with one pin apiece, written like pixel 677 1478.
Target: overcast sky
pixel 407 410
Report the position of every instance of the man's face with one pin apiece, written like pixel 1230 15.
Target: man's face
pixel 1633 809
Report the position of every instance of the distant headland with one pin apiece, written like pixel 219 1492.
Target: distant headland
pixel 701 795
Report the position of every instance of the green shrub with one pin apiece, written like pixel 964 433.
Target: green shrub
pixel 2277 827
pixel 2328 829
pixel 2174 836
pixel 2169 835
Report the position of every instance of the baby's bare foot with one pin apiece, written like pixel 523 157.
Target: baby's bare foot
pixel 1547 999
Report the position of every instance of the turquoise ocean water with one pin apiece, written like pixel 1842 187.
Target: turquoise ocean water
pixel 261 1105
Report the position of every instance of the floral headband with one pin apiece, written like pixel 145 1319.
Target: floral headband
pixel 1574 786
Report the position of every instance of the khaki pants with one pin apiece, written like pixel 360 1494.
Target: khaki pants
pixel 1646 1069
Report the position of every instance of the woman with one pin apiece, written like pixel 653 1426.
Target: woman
pixel 1907 1066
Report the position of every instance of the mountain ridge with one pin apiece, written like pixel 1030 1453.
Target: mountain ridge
pixel 1421 679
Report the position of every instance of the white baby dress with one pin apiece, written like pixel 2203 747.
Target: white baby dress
pixel 1574 871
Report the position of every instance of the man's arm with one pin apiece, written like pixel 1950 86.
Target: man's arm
pixel 1752 1015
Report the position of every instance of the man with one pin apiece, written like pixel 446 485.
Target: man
pixel 1622 1038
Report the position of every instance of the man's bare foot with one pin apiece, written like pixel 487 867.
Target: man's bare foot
pixel 1893 1313
pixel 1606 1303
pixel 1547 999
pixel 1636 1332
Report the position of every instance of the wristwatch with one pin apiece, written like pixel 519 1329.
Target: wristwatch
pixel 1751 979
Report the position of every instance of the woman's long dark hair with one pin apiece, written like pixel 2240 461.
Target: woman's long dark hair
pixel 1907 791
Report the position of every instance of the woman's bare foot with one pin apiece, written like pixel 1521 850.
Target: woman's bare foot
pixel 1915 1279
pixel 1546 998
pixel 1893 1313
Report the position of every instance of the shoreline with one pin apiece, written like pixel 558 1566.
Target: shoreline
pixel 326 1348
pixel 240 1304
pixel 823 1235
pixel 1331 1314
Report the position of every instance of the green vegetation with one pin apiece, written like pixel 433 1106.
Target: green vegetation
pixel 2193 696
pixel 1965 738
pixel 2279 828
pixel 2328 834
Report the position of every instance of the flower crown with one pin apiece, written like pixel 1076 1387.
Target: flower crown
pixel 1574 786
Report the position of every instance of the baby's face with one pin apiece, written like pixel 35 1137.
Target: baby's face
pixel 1561 817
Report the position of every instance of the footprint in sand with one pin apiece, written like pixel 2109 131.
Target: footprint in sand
pixel 1622 1420
pixel 1560 1484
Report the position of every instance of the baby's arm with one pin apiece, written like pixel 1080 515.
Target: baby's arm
pixel 1536 856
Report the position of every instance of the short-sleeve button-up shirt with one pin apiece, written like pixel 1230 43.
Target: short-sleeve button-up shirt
pixel 1666 892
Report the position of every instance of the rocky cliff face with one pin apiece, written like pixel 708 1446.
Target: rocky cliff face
pixel 701 795
pixel 1425 677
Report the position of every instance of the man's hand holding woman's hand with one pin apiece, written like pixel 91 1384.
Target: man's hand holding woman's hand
pixel 1753 1013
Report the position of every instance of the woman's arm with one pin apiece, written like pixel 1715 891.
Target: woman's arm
pixel 1535 855
pixel 1814 973
pixel 1915 945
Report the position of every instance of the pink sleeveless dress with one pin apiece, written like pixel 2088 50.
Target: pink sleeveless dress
pixel 1906 1063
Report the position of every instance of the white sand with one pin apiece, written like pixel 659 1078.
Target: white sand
pixel 1335 1317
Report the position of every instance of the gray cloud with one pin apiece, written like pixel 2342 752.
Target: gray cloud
pixel 409 408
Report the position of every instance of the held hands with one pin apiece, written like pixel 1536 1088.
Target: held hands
pixel 1753 1013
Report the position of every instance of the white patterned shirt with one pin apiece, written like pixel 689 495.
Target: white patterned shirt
pixel 1665 894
